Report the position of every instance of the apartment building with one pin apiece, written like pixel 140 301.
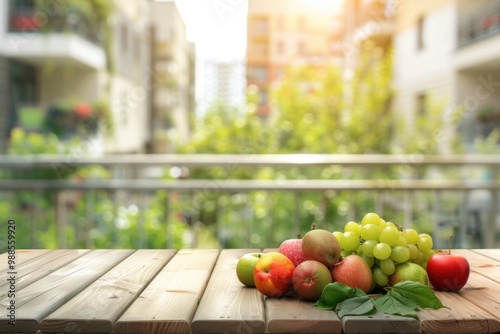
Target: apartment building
pixel 140 68
pixel 284 33
pixel 173 87
pixel 448 51
pixel 224 83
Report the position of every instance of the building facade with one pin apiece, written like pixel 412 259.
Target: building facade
pixel 448 52
pixel 173 100
pixel 57 58
pixel 284 33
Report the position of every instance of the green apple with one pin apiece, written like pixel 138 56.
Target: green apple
pixel 245 267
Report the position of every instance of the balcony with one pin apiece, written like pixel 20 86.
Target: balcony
pixel 64 38
pixel 167 201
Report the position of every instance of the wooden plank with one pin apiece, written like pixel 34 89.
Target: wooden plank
pixel 169 302
pixel 23 256
pixel 461 316
pixel 97 308
pixel 227 306
pixel 484 293
pixel 40 266
pixel 380 323
pixel 483 265
pixel 289 314
pixel 491 253
pixel 42 297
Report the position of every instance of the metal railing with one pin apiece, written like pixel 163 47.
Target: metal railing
pixel 456 194
pixel 480 24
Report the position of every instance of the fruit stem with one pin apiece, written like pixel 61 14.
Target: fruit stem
pixel 449 244
pixel 313 226
pixel 299 236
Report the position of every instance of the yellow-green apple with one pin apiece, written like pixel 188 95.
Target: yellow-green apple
pixel 448 272
pixel 354 272
pixel 292 249
pixel 273 274
pixel 245 267
pixel 310 278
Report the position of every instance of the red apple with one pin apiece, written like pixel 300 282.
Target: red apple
pixel 292 249
pixel 448 272
pixel 273 274
pixel 354 272
pixel 310 278
pixel 245 267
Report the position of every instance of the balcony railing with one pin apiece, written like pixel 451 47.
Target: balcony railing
pixel 479 25
pixel 112 201
pixel 29 20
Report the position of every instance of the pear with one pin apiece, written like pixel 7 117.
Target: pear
pixel 409 271
pixel 321 245
pixel 354 272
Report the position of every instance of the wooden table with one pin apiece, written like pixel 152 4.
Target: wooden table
pixel 197 291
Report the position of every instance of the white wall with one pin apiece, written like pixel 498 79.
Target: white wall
pixel 430 69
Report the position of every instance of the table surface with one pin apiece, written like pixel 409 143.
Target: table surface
pixel 197 291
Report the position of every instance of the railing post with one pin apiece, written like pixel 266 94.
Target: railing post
pixel 61 219
pixel 489 231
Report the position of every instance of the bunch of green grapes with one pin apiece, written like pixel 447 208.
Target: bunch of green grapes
pixel 383 245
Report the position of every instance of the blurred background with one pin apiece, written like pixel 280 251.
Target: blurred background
pixel 239 123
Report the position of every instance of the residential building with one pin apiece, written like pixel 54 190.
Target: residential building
pixel 224 83
pixel 173 85
pixel 54 53
pixel 448 51
pixel 284 33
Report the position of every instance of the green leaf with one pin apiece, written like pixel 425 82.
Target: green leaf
pixel 418 293
pixel 394 305
pixel 355 306
pixel 334 293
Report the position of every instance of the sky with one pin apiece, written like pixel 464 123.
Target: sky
pixel 216 27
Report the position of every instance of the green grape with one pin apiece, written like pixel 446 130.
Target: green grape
pixel 339 236
pixel 368 247
pixel 370 232
pixel 353 227
pixel 370 218
pixel 425 244
pixel 370 260
pixel 424 235
pixel 387 266
pixel 382 251
pixel 344 253
pixel 400 254
pixel 383 224
pixel 411 236
pixel 420 258
pixel 380 278
pixel 413 251
pixel 350 242
pixel 389 235
pixel 359 251
pixel 401 241
pixel 429 254
pixel 391 224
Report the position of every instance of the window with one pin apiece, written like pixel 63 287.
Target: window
pixel 257 73
pixel 259 25
pixel 421 102
pixel 420 33
pixel 280 47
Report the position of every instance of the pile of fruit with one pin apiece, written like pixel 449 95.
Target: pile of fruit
pixel 371 255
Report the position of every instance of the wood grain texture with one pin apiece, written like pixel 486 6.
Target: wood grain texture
pixel 289 314
pixel 44 296
pixel 97 308
pixel 40 266
pixel 491 253
pixel 380 323
pixel 22 257
pixel 483 265
pixel 461 316
pixel 169 302
pixel 227 306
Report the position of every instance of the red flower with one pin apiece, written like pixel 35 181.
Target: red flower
pixel 83 110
